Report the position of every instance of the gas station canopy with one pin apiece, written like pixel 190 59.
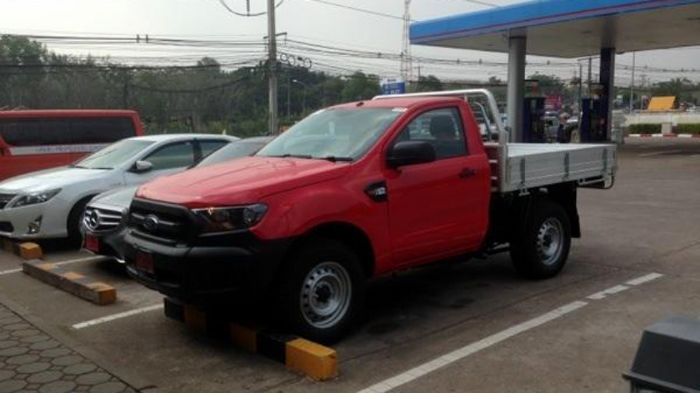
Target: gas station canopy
pixel 568 28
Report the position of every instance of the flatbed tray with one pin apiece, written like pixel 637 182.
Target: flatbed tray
pixel 521 166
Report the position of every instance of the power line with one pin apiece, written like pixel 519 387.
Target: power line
pixel 357 9
pixel 247 14
pixel 479 2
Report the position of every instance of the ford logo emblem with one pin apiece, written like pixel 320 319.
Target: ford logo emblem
pixel 150 223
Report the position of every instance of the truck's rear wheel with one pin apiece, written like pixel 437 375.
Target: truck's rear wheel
pixel 541 246
pixel 322 290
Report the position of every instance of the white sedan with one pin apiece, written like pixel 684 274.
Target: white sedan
pixel 49 203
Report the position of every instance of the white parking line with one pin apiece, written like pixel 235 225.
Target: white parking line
pixel 605 292
pixel 68 262
pixel 83 259
pixel 2 273
pixel 470 349
pixel 444 360
pixel 112 317
pixel 644 279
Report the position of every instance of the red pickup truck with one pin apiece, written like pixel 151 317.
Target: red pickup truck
pixel 351 192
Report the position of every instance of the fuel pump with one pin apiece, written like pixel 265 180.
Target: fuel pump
pixel 593 117
pixel 533 120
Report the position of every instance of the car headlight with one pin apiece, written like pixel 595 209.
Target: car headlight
pixel 35 198
pixel 227 219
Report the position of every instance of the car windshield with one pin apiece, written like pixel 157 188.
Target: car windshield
pixel 113 155
pixel 231 151
pixel 334 134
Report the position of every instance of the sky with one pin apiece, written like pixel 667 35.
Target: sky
pixel 303 20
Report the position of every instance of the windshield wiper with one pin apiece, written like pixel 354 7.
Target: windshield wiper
pixel 335 159
pixel 307 156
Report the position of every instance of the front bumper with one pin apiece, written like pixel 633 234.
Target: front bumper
pixel 219 269
pixel 111 244
pixel 15 222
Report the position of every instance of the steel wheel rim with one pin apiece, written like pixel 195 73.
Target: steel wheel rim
pixel 325 295
pixel 550 241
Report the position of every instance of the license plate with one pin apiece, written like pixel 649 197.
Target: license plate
pixel 92 243
pixel 144 262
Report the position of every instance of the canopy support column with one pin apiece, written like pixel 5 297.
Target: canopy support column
pixel 516 86
pixel 607 80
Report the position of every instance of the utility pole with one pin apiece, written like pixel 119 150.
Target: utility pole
pixel 580 87
pixel 289 87
pixel 590 74
pixel 273 124
pixel 634 65
pixel 406 60
pixel 303 85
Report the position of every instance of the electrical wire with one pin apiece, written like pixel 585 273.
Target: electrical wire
pixel 357 9
pixel 480 2
pixel 247 14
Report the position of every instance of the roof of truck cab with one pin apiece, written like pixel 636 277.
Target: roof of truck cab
pixel 403 102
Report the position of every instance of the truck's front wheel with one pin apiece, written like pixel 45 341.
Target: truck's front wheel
pixel 541 246
pixel 322 290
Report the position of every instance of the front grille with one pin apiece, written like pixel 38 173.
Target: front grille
pixel 5 199
pixel 161 222
pixel 6 227
pixel 100 219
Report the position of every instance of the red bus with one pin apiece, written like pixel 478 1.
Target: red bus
pixel 31 140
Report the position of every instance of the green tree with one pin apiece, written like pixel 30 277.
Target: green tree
pixel 428 83
pixel 360 87
pixel 681 88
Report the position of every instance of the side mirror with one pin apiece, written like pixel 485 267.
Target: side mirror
pixel 142 166
pixel 410 153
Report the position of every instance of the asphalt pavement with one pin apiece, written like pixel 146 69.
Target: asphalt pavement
pixel 472 326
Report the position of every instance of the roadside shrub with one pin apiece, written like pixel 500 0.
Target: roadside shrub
pixel 644 128
pixel 690 128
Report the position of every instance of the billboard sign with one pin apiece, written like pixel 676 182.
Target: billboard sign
pixel 393 86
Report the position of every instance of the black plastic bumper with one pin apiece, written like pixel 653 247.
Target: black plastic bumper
pixel 213 270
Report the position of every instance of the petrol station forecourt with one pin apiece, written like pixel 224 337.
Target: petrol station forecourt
pixel 566 29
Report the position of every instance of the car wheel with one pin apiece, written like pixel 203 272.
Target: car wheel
pixel 541 247
pixel 323 290
pixel 75 236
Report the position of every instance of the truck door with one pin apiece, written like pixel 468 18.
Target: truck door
pixel 437 209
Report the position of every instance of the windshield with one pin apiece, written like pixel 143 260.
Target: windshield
pixel 231 151
pixel 113 155
pixel 340 133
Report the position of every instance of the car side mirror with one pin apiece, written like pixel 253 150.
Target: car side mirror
pixel 142 166
pixel 410 153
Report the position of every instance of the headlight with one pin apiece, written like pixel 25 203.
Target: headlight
pixel 35 198
pixel 227 219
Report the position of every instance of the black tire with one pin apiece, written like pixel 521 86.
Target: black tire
pixel 75 236
pixel 319 269
pixel 541 245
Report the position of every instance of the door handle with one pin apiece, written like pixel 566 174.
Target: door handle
pixel 467 173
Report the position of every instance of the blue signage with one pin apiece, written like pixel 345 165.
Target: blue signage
pixel 393 86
